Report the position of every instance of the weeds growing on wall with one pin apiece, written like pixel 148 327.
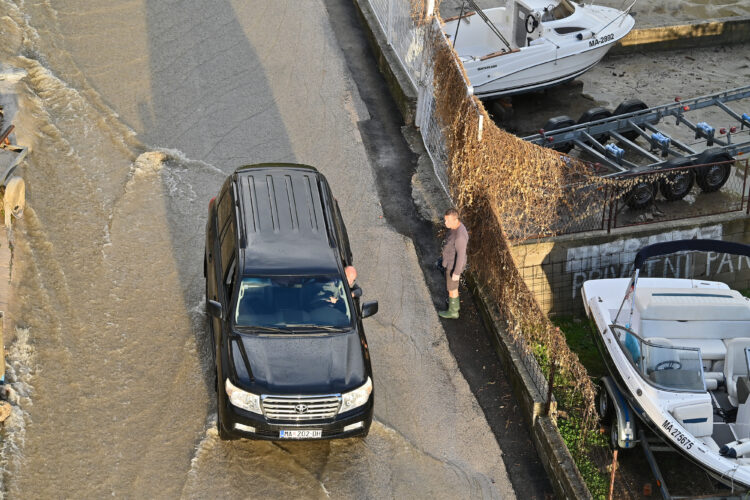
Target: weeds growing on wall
pixel 506 188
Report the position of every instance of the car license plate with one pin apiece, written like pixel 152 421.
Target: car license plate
pixel 300 434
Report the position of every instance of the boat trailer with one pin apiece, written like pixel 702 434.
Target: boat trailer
pixel 611 139
pixel 620 417
pixel 632 119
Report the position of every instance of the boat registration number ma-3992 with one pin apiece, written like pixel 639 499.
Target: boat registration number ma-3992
pixel 602 39
pixel 677 435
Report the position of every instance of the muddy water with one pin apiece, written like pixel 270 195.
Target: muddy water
pixel 109 363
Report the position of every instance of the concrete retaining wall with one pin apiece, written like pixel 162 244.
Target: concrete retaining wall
pixel 563 474
pixel 555 269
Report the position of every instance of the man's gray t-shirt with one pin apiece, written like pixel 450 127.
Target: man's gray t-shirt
pixel 454 251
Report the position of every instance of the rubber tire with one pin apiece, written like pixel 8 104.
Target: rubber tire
pixel 556 123
pixel 707 178
pixel 595 114
pixel 603 403
pixel 223 434
pixel 629 106
pixel 668 186
pixel 613 437
pixel 644 201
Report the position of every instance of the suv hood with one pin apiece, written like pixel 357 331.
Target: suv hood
pixel 305 364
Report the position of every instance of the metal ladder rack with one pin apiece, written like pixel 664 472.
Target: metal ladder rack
pixel 642 124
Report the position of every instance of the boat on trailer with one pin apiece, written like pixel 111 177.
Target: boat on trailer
pixel 528 45
pixel 677 351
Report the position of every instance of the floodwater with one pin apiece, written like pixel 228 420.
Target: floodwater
pixel 134 113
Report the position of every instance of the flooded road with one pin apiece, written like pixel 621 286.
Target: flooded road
pixel 134 113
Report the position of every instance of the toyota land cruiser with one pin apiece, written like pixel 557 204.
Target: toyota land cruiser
pixel 290 352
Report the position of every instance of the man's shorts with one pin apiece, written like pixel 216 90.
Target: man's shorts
pixel 451 285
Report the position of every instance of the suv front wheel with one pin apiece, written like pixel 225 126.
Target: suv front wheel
pixel 223 434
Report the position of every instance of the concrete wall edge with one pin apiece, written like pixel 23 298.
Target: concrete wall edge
pixel 563 473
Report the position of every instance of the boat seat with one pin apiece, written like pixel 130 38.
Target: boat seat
pixel 712 349
pixel 689 305
pixel 697 418
pixel 694 329
pixel 735 365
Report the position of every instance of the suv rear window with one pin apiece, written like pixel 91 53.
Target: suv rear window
pixel 292 302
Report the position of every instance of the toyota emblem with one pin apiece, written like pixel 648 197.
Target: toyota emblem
pixel 301 408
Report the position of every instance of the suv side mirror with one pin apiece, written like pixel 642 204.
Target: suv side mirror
pixel 214 309
pixel 369 308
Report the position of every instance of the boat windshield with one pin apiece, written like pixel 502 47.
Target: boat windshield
pixel 662 365
pixel 292 302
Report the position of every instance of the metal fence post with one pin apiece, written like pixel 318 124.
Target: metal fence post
pixel 429 8
pixel 389 28
pixel 612 201
pixel 604 205
pixel 550 385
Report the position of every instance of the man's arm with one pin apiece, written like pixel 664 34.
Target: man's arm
pixel 356 291
pixel 462 240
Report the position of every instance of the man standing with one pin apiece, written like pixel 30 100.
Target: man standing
pixel 454 260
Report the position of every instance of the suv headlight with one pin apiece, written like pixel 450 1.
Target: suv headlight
pixel 243 399
pixel 357 397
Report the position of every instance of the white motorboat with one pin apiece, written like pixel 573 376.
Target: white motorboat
pixel 677 351
pixel 528 45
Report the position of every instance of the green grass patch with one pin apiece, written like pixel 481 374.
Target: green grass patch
pixel 596 481
pixel 578 336
pixel 745 292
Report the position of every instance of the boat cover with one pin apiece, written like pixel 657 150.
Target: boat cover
pixel 669 247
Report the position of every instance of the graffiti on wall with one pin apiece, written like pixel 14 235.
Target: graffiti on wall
pixel 615 259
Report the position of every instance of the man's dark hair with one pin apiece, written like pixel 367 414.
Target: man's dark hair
pixel 452 211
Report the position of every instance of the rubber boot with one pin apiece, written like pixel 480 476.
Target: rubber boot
pixel 453 306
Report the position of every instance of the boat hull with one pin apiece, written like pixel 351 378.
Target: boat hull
pixel 533 57
pixel 520 78
pixel 646 420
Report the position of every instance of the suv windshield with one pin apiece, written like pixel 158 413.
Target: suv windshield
pixel 292 302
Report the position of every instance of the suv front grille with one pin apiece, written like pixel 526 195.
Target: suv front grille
pixel 300 407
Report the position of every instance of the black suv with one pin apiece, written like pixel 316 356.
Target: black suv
pixel 289 348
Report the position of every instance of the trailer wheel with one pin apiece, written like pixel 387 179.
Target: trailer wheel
pixel 630 106
pixel 641 195
pixel 614 435
pixel 593 115
pixel 713 176
pixel 556 123
pixel 676 185
pixel 603 404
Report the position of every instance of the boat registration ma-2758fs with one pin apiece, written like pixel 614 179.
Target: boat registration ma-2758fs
pixel 529 45
pixel 677 351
